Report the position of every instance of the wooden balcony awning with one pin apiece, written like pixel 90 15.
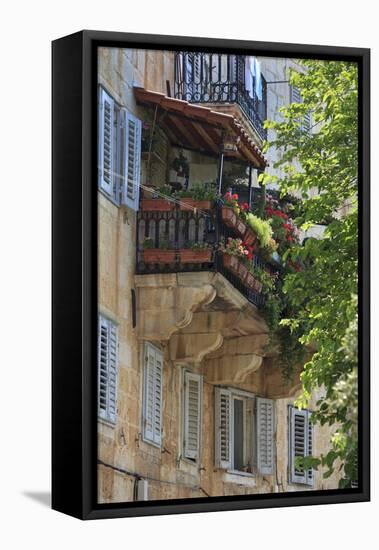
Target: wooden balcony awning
pixel 199 128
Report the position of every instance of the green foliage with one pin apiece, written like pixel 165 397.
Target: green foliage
pixel 199 246
pixel 164 244
pixel 261 227
pixel 321 167
pixel 148 243
pixel 199 192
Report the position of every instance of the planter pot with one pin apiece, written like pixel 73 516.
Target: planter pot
pixel 228 216
pixel 253 283
pixel 195 256
pixel 156 205
pixel 242 271
pixel 190 204
pixel 249 237
pixel 230 262
pixel 158 256
pixel 240 227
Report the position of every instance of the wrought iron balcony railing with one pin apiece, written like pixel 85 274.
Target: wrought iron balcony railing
pixel 221 78
pixel 169 233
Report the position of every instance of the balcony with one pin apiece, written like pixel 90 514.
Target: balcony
pixel 171 230
pixel 220 79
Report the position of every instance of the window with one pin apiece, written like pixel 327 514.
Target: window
pixel 119 152
pixel 107 369
pixel 152 394
pixel 305 121
pixel 244 431
pixel 300 444
pixel 192 393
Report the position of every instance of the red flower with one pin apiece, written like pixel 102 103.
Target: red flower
pixel 245 206
pixel 235 197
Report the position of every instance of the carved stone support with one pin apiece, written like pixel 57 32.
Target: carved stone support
pixel 164 306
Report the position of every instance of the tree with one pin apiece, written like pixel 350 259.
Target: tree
pixel 320 165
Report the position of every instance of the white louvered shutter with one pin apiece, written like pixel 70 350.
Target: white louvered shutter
pixel 106 142
pixel 298 443
pixel 265 418
pixel 158 397
pixel 107 369
pixel 192 411
pixel 296 98
pixel 152 421
pixel 309 478
pixel 132 171
pixel 223 423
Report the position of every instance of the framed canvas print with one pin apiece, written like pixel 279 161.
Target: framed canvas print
pixel 210 274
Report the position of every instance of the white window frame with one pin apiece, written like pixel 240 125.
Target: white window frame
pixel 107 368
pixel 192 456
pixel 227 462
pixel 296 477
pixel 149 433
pixel 117 188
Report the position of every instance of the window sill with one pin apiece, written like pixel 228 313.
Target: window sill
pixel 240 473
pixel 240 478
pixel 151 443
pixel 106 422
pixel 109 197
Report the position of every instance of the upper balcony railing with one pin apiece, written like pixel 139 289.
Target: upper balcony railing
pixel 222 78
pixel 171 231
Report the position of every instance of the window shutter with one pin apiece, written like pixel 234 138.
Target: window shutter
pixel 192 411
pixel 158 397
pixel 265 416
pixel 152 421
pixel 296 98
pixel 299 447
pixel 106 142
pixel 132 171
pixel 295 95
pixel 223 423
pixel 310 447
pixel 112 373
pixel 107 369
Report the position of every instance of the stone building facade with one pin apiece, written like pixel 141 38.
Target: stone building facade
pixel 191 401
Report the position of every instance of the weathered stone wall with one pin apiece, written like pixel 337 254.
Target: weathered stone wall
pixel 122 453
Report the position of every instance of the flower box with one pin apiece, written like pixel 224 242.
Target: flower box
pixel 242 271
pixel 231 262
pixel 188 256
pixel 188 203
pixel 158 256
pixel 249 237
pixel 228 216
pixel 253 283
pixel 156 205
pixel 240 227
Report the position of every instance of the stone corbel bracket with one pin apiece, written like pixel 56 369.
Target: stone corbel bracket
pixel 166 303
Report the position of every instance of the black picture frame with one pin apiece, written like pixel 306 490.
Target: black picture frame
pixel 74 272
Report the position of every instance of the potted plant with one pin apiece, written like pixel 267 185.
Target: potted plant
pixel 161 255
pixel 161 202
pixel 236 257
pixel 261 228
pixel 196 253
pixel 200 196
